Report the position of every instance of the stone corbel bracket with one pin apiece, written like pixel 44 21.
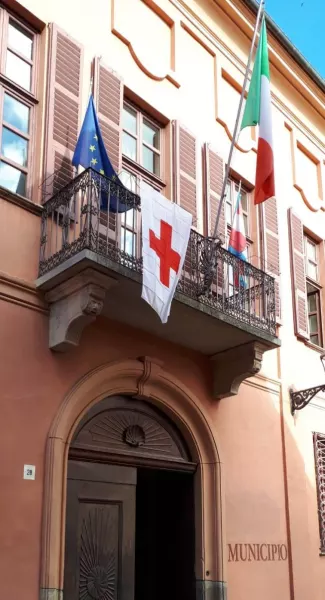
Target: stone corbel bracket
pixel 234 365
pixel 75 304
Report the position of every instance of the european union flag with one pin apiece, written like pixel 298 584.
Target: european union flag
pixel 91 152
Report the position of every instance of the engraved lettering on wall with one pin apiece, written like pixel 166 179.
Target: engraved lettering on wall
pixel 257 552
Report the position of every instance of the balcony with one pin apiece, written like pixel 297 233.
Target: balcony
pixel 223 308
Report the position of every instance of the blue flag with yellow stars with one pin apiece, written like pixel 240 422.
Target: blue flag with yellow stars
pixel 91 152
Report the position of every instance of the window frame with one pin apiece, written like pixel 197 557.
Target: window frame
pixel 22 95
pixel 136 166
pixel 314 283
pixel 137 170
pixel 233 194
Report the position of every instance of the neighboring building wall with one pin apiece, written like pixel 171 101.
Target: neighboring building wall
pixel 183 63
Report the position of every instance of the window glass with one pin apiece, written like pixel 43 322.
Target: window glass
pixel 313 325
pixel 312 304
pixel 14 147
pixel 150 160
pixel 311 251
pixel 19 40
pixel 129 120
pixel 312 270
pixel 16 113
pixel 243 197
pixel 150 134
pixel 129 180
pixel 129 241
pixel 18 70
pixel 129 146
pixel 12 179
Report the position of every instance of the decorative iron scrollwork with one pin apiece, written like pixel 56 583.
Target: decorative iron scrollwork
pixel 73 220
pixel 300 399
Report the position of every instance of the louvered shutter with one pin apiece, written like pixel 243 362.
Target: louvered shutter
pixel 213 179
pixel 298 275
pixel 270 244
pixel 108 95
pixel 185 170
pixel 65 62
pixel 185 190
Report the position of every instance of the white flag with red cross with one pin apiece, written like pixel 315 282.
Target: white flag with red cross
pixel 166 230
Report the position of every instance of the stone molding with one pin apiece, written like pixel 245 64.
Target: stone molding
pixel 146 378
pixel 75 304
pixel 232 366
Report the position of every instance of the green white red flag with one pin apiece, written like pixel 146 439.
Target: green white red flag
pixel 258 112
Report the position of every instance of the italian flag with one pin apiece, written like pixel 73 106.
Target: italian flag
pixel 258 112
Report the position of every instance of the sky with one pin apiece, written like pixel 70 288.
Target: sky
pixel 303 22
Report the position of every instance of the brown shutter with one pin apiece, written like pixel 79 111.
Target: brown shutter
pixel 65 61
pixel 185 170
pixel 298 275
pixel 270 245
pixel 213 173
pixel 108 94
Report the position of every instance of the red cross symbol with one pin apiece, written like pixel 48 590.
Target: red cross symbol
pixel 169 258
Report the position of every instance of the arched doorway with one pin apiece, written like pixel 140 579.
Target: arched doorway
pixel 143 378
pixel 130 530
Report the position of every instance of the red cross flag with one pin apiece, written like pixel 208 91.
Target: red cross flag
pixel 166 230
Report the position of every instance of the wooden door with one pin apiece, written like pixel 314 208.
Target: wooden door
pixel 100 532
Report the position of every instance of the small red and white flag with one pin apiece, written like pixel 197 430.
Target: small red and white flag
pixel 166 230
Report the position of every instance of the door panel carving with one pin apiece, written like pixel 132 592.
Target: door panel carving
pixel 100 532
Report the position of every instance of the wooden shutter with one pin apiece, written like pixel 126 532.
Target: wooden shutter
pixel 213 174
pixel 65 62
pixel 108 94
pixel 185 169
pixel 270 246
pixel 298 275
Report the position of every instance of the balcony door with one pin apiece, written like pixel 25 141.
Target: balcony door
pixel 130 531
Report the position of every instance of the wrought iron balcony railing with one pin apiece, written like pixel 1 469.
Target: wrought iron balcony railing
pixel 72 222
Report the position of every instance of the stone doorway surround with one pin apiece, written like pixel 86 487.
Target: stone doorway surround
pixel 145 379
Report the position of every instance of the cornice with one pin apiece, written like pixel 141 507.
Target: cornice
pixel 264 383
pixel 35 209
pixel 21 292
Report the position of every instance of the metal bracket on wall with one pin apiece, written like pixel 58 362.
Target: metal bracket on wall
pixel 299 400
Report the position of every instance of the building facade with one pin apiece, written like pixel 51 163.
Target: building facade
pixel 143 460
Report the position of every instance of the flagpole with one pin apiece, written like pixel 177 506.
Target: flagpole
pixel 237 123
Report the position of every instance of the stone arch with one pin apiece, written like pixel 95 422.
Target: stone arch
pixel 145 379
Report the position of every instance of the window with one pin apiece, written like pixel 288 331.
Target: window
pixel 142 160
pixel 17 101
pixel 319 449
pixel 231 199
pixel 313 291
pixel 129 220
pixel 234 281
pixel 141 140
